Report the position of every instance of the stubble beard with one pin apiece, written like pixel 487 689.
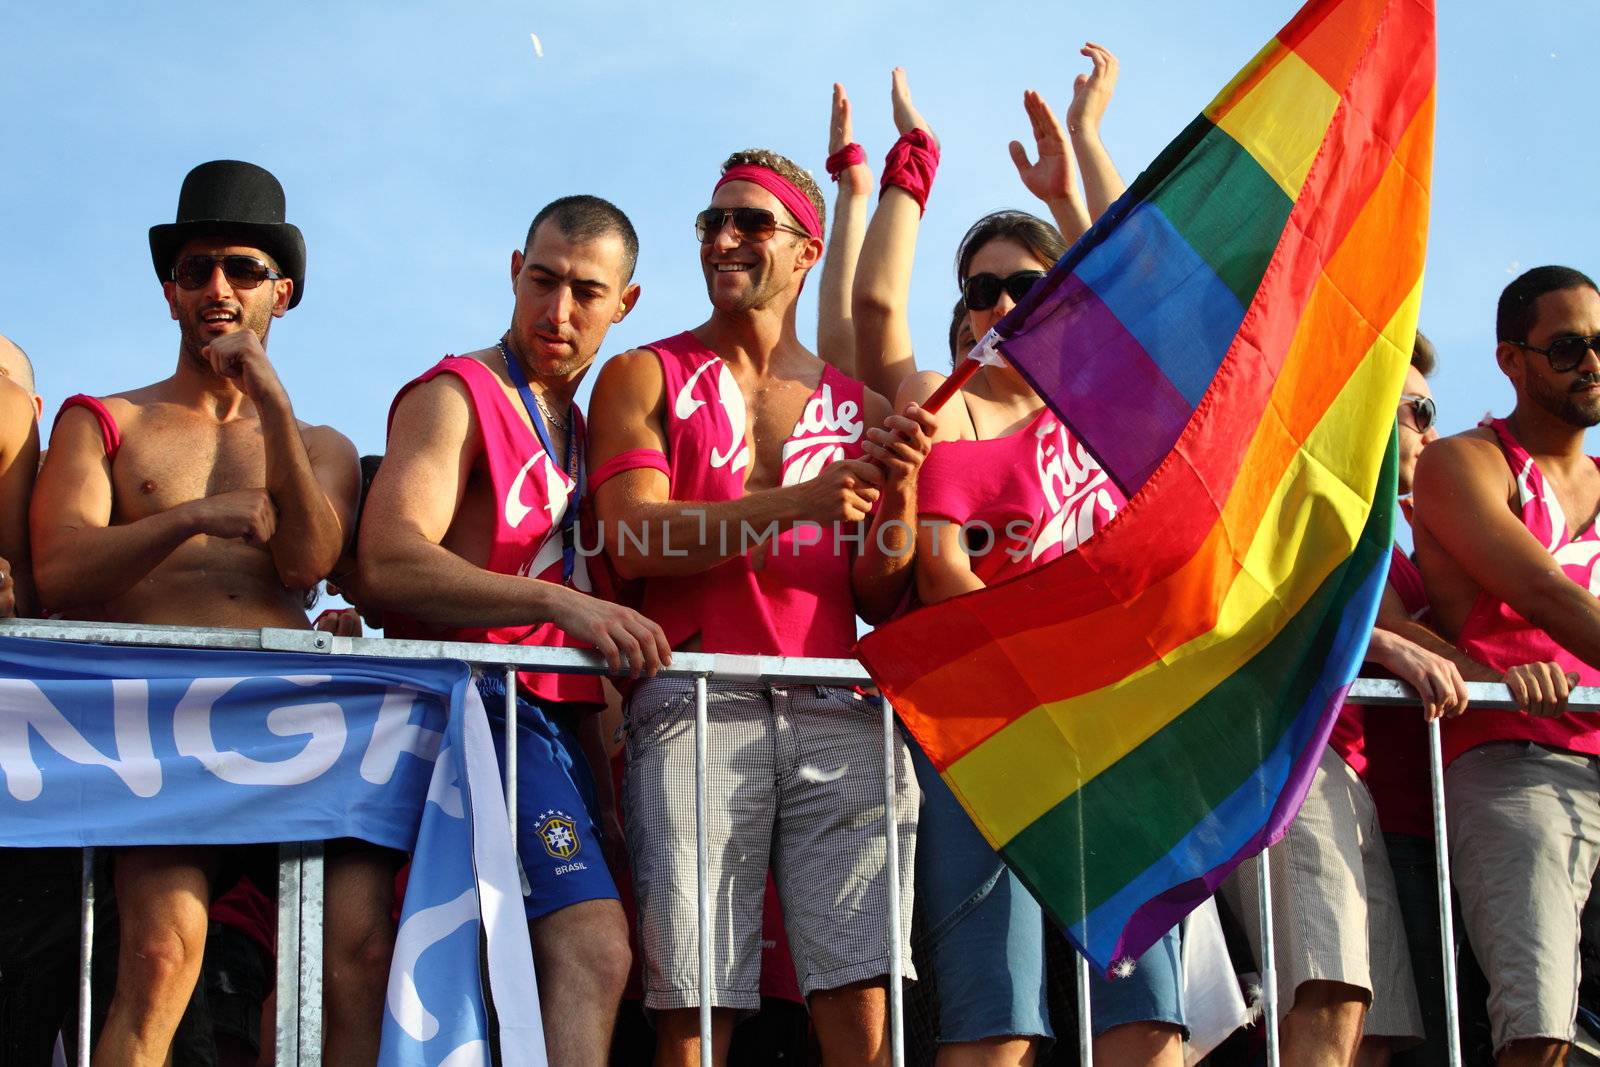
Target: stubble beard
pixel 1565 405
pixel 193 339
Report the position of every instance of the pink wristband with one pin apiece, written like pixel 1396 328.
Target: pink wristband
pixel 848 156
pixel 911 165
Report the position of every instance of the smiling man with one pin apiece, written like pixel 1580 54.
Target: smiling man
pixel 743 466
pixel 201 500
pixel 470 534
pixel 1507 545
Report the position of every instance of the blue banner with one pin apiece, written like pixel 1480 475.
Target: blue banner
pixel 116 746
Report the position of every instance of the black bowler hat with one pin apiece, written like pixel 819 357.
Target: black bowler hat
pixel 232 199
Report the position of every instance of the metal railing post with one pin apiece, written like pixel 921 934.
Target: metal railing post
pixel 86 889
pixel 311 883
pixel 897 1037
pixel 1269 965
pixel 1085 1016
pixel 511 757
pixel 702 857
pixel 287 1029
pixel 1441 866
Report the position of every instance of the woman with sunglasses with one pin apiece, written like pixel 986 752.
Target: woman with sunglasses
pixel 1005 489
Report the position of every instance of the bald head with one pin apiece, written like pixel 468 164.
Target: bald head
pixel 15 364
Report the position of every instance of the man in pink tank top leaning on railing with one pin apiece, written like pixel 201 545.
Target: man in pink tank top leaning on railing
pixel 471 534
pixel 202 501
pixel 1507 546
pixel 733 473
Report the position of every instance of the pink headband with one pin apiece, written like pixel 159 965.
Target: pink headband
pixel 799 205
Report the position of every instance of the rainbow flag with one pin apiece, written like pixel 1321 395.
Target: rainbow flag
pixel 1130 722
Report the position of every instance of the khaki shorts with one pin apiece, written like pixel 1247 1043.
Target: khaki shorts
pixel 1335 913
pixel 796 783
pixel 1524 840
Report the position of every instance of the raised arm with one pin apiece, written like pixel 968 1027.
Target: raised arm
pixel 649 534
pixel 313 474
pixel 1461 493
pixel 1091 94
pixel 836 340
pixel 1051 178
pixel 405 568
pixel 19 461
pixel 882 293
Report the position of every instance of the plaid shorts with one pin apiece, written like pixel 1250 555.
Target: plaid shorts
pixel 795 782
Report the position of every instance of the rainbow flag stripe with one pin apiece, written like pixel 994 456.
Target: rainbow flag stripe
pixel 1130 722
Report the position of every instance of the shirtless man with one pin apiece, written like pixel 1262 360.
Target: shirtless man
pixel 469 534
pixel 15 364
pixel 202 501
pixel 705 444
pixel 1507 546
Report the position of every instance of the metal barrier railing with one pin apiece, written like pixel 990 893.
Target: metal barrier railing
pixel 300 878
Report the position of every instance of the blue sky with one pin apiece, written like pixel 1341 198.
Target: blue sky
pixel 416 140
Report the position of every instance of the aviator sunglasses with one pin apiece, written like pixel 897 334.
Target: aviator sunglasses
pixel 1565 353
pixel 753 224
pixel 1423 411
pixel 982 291
pixel 242 272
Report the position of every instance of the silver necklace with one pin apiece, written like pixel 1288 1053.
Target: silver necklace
pixel 538 398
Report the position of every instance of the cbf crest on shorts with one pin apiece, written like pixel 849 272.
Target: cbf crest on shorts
pixel 559 834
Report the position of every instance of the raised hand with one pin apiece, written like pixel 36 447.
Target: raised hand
pixel 1091 92
pixel 239 355
pixel 906 115
pixel 855 180
pixel 1052 178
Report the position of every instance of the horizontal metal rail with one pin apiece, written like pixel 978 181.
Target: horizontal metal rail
pixel 300 910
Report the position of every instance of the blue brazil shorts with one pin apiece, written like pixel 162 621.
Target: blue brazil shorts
pixel 558 838
pixel 986 938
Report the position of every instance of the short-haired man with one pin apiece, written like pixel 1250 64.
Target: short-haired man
pixel 15 364
pixel 469 534
pixel 1507 546
pixel 201 500
pixel 728 460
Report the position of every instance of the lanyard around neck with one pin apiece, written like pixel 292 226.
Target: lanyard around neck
pixel 572 462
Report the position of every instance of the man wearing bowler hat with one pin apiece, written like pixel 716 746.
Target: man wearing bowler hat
pixel 201 500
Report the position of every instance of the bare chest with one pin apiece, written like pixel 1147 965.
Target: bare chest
pixel 773 408
pixel 168 460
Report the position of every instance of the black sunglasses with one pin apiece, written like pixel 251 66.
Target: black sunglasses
pixel 753 224
pixel 1423 411
pixel 242 272
pixel 982 291
pixel 1566 353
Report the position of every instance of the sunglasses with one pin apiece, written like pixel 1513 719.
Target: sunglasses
pixel 753 224
pixel 242 272
pixel 1565 353
pixel 1423 411
pixel 982 291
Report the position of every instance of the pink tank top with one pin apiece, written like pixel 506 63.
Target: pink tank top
pixel 1034 495
pixel 799 602
pixel 110 435
pixel 532 491
pixel 1496 635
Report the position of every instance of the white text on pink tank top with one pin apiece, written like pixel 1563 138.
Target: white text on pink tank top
pixel 1547 520
pixel 820 436
pixel 1078 496
pixel 735 453
pixel 515 511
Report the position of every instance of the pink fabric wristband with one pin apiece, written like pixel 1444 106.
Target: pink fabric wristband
pixel 631 460
pixel 849 156
pixel 911 165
